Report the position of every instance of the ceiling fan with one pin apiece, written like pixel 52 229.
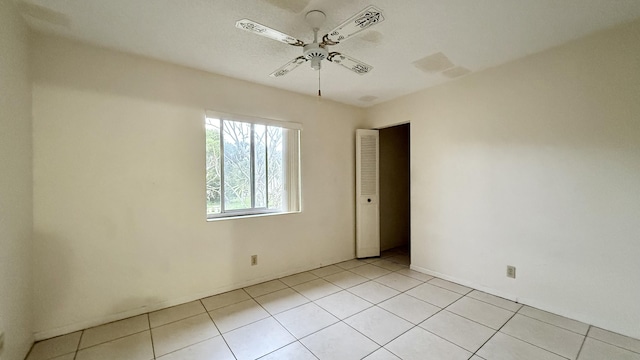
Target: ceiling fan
pixel 318 51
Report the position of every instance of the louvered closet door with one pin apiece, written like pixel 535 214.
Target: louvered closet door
pixel 367 190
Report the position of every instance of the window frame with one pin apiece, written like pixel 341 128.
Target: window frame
pixel 291 158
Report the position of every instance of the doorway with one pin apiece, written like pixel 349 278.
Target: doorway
pixel 395 196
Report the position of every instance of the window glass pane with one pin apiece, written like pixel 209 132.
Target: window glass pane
pixel 237 165
pixel 275 167
pixel 213 165
pixel 251 168
pixel 260 156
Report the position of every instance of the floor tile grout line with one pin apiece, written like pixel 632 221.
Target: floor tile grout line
pixel 222 307
pixel 372 302
pixel 445 339
pixel 477 322
pixel 552 314
pixel 31 350
pixel 355 267
pixel 356 330
pixel 322 328
pixel 438 312
pixel 284 346
pixel 153 347
pixel 114 339
pixel 111 322
pixel 413 327
pixel 538 346
pixel 75 355
pixel 295 337
pixel 364 357
pixel 190 345
pixel 287 288
pixel 267 293
pixel 354 314
pixel 608 343
pixel 39 341
pixel 284 327
pixel 291 308
pixel 583 341
pixel 306 281
pixel 324 296
pixel 442 287
pixel 394 339
pixel 559 327
pixel 345 288
pixel 399 317
pixel 415 297
pixel 369 302
pixel 494 334
pixel 401 291
pixel 219 332
pixel 405 292
pixel 168 307
pixel 471 320
pixel 245 325
pixel 175 321
pixel 486 302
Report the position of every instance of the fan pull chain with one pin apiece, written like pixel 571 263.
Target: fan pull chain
pixel 319 92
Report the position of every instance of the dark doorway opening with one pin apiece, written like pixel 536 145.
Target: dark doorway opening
pixel 395 196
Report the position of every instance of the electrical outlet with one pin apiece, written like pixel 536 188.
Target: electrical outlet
pixel 254 260
pixel 511 271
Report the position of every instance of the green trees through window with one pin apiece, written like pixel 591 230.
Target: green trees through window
pixel 245 167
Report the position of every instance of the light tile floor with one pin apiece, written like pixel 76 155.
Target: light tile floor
pixel 374 309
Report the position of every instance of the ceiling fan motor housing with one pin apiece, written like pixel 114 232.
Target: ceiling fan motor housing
pixel 316 54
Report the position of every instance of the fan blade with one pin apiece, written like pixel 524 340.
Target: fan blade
pixel 357 23
pixel 350 63
pixel 290 66
pixel 254 27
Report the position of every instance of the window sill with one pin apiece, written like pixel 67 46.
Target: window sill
pixel 245 216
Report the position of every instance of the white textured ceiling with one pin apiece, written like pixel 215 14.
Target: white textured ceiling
pixel 473 34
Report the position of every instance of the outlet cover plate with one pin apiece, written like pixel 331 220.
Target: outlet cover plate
pixel 511 271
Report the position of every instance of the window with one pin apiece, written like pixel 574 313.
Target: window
pixel 253 166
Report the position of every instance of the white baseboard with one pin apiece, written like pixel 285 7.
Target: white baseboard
pixel 466 283
pixel 100 320
pixel 589 320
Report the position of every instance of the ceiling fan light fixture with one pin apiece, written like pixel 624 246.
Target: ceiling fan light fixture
pixel 316 54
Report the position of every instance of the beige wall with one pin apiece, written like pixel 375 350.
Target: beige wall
pixel 119 214
pixel 15 184
pixel 394 187
pixel 536 164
